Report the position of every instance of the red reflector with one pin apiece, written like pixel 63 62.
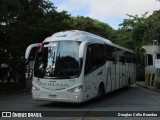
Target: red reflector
pixel 41 46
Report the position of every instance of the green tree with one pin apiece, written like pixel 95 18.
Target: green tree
pixel 93 26
pixel 24 22
pixel 131 35
pixel 152 28
pixel 138 31
pixel 9 11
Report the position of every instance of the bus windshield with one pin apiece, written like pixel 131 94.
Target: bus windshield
pixel 58 60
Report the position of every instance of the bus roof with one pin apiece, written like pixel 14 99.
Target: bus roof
pixel 78 35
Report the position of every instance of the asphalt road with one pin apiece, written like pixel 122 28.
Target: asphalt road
pixel 134 99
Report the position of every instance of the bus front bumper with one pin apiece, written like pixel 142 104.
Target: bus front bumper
pixel 57 96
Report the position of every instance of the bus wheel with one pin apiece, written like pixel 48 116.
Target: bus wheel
pixel 100 93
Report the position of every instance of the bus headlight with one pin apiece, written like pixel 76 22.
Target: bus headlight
pixel 34 88
pixel 76 89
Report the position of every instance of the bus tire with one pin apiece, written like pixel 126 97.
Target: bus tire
pixel 100 93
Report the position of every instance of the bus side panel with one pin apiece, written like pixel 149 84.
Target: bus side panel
pixel 108 79
pixel 113 76
pixel 117 74
pixel 92 82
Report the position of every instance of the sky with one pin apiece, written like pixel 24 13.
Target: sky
pixel 112 12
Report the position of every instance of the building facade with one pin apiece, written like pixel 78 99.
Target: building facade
pixel 152 64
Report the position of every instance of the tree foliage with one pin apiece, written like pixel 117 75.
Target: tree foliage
pixel 93 26
pixel 138 31
pixel 23 22
pixel 152 28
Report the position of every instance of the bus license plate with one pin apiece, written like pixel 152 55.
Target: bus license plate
pixel 52 96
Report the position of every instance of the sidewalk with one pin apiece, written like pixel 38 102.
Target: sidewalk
pixel 142 83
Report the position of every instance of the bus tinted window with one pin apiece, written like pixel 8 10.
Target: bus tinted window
pixel 122 59
pixel 109 51
pixel 95 57
pixel 58 60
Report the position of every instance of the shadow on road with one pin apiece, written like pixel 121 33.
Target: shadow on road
pixel 89 103
pixel 67 105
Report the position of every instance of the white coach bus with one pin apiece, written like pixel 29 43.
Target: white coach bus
pixel 76 66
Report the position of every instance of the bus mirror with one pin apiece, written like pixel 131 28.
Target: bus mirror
pixel 81 49
pixel 29 49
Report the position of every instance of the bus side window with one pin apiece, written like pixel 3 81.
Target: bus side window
pixel 95 57
pixel 98 55
pixel 113 59
pixel 109 51
pixel 88 65
pixel 134 61
pixel 110 54
pixel 122 59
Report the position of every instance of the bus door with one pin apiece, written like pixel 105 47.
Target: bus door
pixel 89 80
pixel 94 69
pixel 88 86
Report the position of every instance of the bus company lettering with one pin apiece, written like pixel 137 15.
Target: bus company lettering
pixel 53 85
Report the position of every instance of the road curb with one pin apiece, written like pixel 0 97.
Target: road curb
pixel 144 86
